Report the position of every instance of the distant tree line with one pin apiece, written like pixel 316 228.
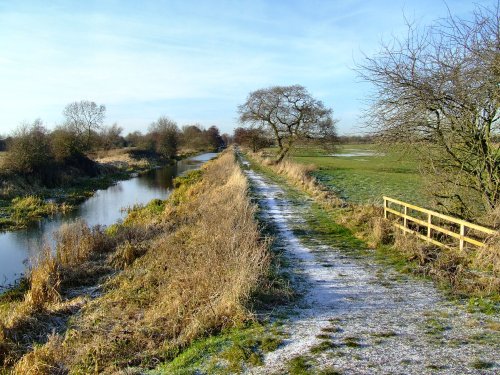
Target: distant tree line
pixel 34 150
pixel 356 139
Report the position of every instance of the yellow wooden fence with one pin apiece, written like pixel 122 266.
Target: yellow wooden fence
pixel 433 232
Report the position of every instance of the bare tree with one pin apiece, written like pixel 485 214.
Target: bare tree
pixel 288 113
pixel 110 136
pixel 438 88
pixel 84 117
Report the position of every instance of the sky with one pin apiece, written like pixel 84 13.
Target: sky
pixel 193 61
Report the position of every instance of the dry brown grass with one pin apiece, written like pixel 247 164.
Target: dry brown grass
pixel 120 158
pixel 195 278
pixel 3 154
pixel 492 218
pixel 301 176
pixel 467 273
pixel 126 253
pixel 413 248
pixel 489 256
pixel 43 360
pixel 76 242
pixel 43 309
pixel 45 281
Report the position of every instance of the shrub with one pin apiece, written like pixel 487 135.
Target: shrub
pixel 29 149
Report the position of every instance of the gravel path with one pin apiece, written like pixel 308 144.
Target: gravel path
pixel 369 320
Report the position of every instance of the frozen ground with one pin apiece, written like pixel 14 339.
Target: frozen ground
pixel 369 320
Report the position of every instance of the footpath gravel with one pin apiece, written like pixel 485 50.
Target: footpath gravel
pixel 357 317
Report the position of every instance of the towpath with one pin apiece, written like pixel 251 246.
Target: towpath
pixel 357 317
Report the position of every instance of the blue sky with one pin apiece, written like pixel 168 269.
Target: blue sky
pixel 193 61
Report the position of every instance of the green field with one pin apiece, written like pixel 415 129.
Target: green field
pixel 364 173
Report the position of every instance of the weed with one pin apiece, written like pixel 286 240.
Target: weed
pixel 484 305
pixel 323 336
pixel 270 343
pixel 299 365
pixel 333 329
pixel 76 242
pixel 17 292
pixel 352 342
pixel 435 327
pixel 323 346
pixel 384 334
pixel 194 279
pixel 480 364
pixel 329 371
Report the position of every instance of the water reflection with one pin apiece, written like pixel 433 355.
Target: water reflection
pixel 104 208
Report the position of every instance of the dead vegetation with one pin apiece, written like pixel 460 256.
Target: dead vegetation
pixel 187 273
pixel 301 176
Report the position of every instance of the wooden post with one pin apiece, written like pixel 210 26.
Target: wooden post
pixel 429 222
pixel 405 211
pixel 385 208
pixel 462 234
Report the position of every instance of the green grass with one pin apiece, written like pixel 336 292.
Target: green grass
pixel 323 346
pixel 299 365
pixel 485 305
pixel 226 353
pixel 365 179
pixel 20 211
pixel 482 365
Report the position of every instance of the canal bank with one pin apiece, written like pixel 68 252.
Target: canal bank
pixel 105 207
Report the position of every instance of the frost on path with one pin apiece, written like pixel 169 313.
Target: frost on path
pixel 370 320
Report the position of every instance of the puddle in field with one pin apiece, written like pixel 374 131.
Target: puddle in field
pixel 355 153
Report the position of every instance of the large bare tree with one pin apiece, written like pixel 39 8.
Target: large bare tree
pixel 83 117
pixel 288 113
pixel 439 88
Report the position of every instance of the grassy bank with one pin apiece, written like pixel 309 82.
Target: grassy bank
pixel 361 228
pixel 140 293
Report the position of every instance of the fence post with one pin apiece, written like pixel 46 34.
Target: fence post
pixel 405 211
pixel 385 208
pixel 429 222
pixel 462 234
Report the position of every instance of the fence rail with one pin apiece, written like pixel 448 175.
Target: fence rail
pixel 432 231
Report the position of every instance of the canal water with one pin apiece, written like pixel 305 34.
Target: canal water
pixel 106 207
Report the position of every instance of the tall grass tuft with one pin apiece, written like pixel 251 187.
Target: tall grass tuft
pixel 76 242
pixel 43 360
pixel 44 281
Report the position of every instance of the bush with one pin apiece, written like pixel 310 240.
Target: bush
pixel 29 149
